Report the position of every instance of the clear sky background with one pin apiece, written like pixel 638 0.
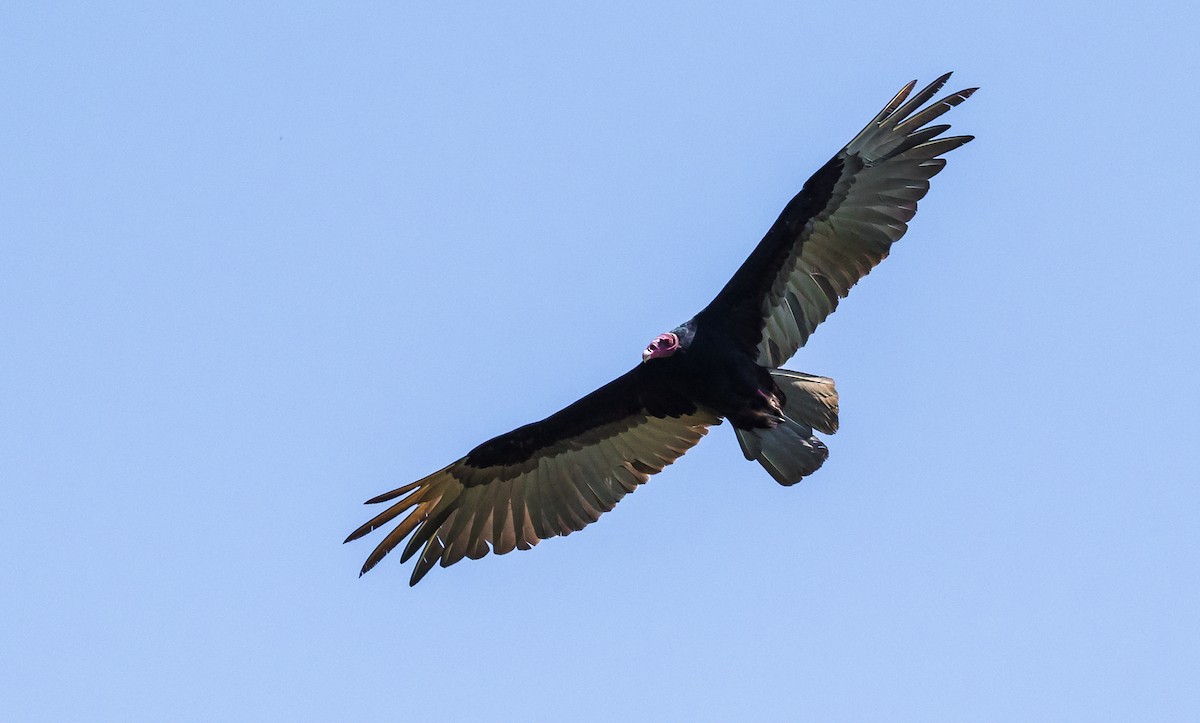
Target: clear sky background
pixel 258 264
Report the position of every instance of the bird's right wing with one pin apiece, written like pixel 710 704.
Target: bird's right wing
pixel 841 224
pixel 545 479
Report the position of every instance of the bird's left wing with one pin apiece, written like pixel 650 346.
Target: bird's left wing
pixel 545 479
pixel 841 224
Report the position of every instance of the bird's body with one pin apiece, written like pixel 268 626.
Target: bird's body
pixel 555 476
pixel 721 375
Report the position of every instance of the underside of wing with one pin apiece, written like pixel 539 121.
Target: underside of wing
pixel 839 226
pixel 543 480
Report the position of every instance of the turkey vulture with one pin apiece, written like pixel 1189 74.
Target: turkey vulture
pixel 555 476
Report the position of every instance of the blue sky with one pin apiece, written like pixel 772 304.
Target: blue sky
pixel 258 264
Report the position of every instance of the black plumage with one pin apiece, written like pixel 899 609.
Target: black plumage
pixel 555 476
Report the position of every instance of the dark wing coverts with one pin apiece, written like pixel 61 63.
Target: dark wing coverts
pixel 545 479
pixel 841 224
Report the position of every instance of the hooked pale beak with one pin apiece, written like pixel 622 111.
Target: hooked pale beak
pixel 663 345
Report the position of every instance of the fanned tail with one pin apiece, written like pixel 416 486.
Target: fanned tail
pixel 790 451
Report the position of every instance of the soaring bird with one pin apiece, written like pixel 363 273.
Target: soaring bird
pixel 558 475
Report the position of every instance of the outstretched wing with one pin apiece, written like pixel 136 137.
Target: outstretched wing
pixel 841 224
pixel 545 479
